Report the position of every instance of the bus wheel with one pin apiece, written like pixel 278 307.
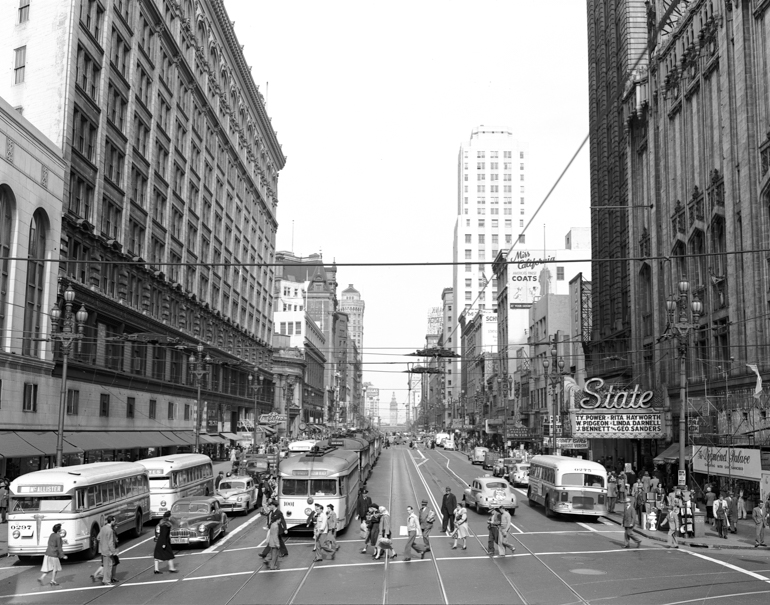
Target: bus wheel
pixel 547 506
pixel 138 525
pixel 529 497
pixel 93 543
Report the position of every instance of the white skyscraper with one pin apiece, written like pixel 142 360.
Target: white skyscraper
pixel 492 210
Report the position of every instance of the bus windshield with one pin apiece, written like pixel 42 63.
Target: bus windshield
pixel 158 481
pixel 582 480
pixel 55 504
pixel 294 487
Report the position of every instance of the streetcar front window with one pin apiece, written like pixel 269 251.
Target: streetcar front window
pixel 294 487
pixel 323 487
pixel 52 504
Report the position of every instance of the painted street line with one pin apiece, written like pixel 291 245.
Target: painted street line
pixel 149 582
pixel 319 567
pixel 451 471
pixel 588 527
pixel 283 570
pixel 229 536
pixel 597 552
pixel 137 544
pixel 421 454
pixel 184 554
pixel 49 592
pixel 517 529
pixel 721 596
pixel 436 507
pixel 524 554
pixel 729 566
pixel 219 575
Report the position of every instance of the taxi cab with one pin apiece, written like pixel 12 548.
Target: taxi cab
pixel 487 489
pixel 478 455
pixel 519 474
pixel 237 493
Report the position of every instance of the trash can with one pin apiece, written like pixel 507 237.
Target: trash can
pixel 699 524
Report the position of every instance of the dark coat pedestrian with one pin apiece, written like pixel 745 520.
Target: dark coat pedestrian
pixel 163 550
pixel 363 504
pixel 448 505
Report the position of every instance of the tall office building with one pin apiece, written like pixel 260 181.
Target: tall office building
pixel 171 184
pixel 354 306
pixel 492 210
pixel 617 36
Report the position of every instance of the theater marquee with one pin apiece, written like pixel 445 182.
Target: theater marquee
pixel 600 412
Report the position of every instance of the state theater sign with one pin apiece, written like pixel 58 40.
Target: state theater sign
pixel 610 412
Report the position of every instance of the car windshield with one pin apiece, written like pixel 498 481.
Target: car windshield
pixel 582 480
pixel 232 485
pixel 496 485
pixel 522 467
pixel 183 508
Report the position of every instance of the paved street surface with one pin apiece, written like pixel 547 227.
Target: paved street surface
pixel 558 560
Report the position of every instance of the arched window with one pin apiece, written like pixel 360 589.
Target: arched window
pixel 6 220
pixel 35 284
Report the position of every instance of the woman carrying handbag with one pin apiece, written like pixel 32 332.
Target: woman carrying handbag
pixel 53 553
pixel 163 551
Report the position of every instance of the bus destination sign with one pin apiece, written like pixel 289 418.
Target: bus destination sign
pixel 41 489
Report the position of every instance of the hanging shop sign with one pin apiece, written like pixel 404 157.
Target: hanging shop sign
pixel 272 418
pixel 738 462
pixel 610 412
pixel 518 432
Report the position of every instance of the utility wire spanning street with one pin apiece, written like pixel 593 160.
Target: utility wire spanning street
pixel 558 560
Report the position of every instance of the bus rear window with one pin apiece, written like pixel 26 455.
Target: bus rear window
pixel 582 480
pixel 294 487
pixel 54 504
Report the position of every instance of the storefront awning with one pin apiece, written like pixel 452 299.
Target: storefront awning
pixel 88 441
pixel 212 439
pixel 231 436
pixel 671 454
pixel 45 441
pixel 13 446
pixel 187 436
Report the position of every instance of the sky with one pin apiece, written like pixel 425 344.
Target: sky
pixel 371 102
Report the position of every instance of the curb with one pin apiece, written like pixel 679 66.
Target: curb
pixel 683 542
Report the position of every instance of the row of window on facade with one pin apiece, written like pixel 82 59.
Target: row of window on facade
pixel 494 155
pixel 495 166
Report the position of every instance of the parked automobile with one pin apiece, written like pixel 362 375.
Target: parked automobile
pixel 238 493
pixel 486 489
pixel 196 520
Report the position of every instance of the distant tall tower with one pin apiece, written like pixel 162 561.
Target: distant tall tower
pixel 353 305
pixel 393 410
pixel 491 213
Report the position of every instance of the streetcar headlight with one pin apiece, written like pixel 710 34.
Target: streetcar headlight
pixel 308 511
pixel 16 534
pixel 163 503
pixel 63 532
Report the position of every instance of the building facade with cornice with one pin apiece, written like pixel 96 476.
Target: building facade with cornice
pixel 168 211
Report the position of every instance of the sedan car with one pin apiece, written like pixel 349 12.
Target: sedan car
pixel 196 520
pixel 502 467
pixel 486 489
pixel 238 493
pixel 519 474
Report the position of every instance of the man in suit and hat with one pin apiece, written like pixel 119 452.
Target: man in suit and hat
pixel 448 506
pixel 427 517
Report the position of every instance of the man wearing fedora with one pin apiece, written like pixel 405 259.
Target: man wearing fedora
pixel 427 517
pixel 448 506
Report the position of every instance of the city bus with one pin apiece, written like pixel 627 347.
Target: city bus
pixel 324 475
pixel 80 498
pixel 567 485
pixel 176 476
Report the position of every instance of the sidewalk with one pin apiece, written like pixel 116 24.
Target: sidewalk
pixel 743 540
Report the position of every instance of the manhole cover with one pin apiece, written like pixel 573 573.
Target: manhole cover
pixel 589 572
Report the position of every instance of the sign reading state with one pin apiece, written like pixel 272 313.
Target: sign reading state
pixel 612 412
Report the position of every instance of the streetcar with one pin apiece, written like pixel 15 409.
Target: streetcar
pixel 177 476
pixel 80 498
pixel 359 445
pixel 326 475
pixel 567 485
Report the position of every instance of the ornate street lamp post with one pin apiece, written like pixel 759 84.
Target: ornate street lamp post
pixel 70 331
pixel 256 386
pixel 555 377
pixel 680 330
pixel 198 368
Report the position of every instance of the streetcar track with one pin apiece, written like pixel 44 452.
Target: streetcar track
pixel 387 554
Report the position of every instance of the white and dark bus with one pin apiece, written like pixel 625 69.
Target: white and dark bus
pixel 176 476
pixel 567 485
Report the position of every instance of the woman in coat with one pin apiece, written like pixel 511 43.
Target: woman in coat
pixel 163 551
pixel 374 527
pixel 53 553
pixel 461 526
pixel 384 533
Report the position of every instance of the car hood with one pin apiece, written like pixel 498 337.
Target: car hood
pixel 229 493
pixel 189 519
